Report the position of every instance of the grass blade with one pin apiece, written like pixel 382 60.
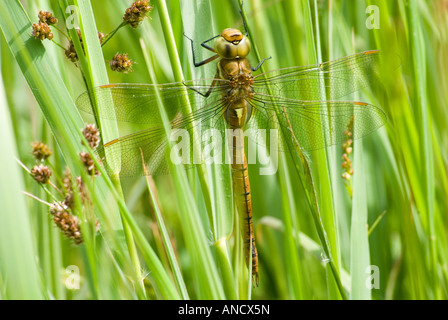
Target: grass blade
pixel 19 276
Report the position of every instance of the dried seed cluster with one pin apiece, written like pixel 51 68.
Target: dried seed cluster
pixel 41 173
pixel 70 52
pixel 41 31
pixel 137 12
pixel 121 63
pixel 69 199
pixel 347 149
pixel 67 222
pixel 92 135
pixel 40 151
pixel 72 190
pixel 47 17
pixel 89 164
pixel 133 16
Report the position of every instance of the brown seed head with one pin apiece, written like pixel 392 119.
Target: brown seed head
pixel 89 164
pixel 47 17
pixel 101 36
pixel 121 63
pixel 67 222
pixel 40 151
pixel 137 12
pixel 41 173
pixel 348 150
pixel 70 52
pixel 69 199
pixel 41 31
pixel 92 135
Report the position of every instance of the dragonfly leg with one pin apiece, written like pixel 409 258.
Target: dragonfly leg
pixel 244 20
pixel 203 44
pixel 205 95
pixel 259 65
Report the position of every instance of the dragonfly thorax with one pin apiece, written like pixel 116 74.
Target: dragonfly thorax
pixel 239 75
pixel 240 87
pixel 239 90
pixel 242 80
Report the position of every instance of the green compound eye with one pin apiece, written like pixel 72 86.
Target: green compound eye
pixel 232 44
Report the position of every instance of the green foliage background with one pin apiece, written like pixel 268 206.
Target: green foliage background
pixel 171 237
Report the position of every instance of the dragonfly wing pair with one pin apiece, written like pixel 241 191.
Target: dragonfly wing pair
pixel 292 99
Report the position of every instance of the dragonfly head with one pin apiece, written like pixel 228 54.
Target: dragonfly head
pixel 232 44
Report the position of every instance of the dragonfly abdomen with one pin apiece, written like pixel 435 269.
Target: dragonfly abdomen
pixel 238 114
pixel 243 201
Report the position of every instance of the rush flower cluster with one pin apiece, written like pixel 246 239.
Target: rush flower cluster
pixel 41 30
pixel 73 193
pixel 121 63
pixel 137 12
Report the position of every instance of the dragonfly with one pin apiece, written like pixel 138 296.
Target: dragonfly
pixel 292 99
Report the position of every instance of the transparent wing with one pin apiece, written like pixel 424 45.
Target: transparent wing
pixel 139 104
pixel 317 124
pixel 152 145
pixel 329 80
